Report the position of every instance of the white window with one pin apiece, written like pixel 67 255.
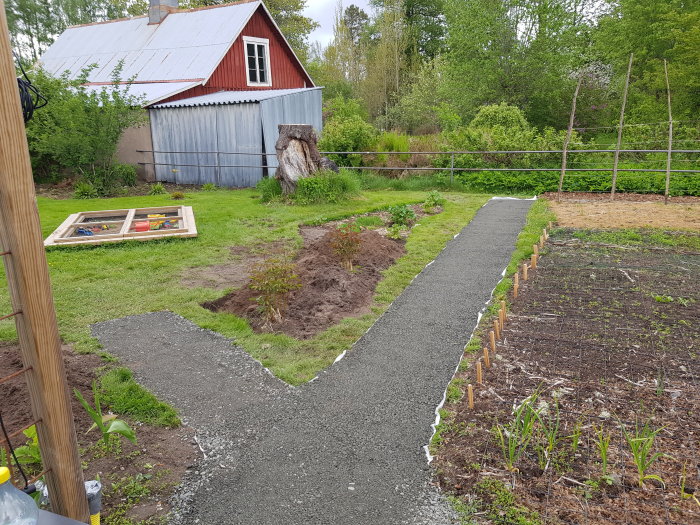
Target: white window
pixel 257 59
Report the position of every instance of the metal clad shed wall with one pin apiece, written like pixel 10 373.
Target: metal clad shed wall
pixel 297 108
pixel 238 131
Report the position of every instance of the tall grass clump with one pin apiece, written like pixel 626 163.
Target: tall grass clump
pixel 269 188
pixel 326 187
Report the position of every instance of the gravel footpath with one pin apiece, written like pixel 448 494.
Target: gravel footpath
pixel 347 447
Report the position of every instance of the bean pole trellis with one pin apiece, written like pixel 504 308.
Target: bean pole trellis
pixel 27 273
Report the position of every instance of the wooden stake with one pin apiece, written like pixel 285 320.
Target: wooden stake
pixel 545 234
pixel 27 273
pixel 568 137
pixel 524 271
pixel 516 279
pixel 487 361
pixel 470 395
pixel 502 319
pixel 541 242
pixel 479 375
pixel 550 225
pixel 505 312
pixel 670 135
pixel 492 339
pixel 536 249
pixel 496 328
pixel 533 261
pixel 515 290
pixel 616 160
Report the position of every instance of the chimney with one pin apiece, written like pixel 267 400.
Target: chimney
pixel 159 9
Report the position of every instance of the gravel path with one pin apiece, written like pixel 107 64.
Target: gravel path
pixel 347 447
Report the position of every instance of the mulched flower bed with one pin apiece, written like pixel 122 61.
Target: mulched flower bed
pixel 611 336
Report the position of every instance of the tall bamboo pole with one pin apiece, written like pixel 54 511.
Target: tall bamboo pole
pixel 565 149
pixel 670 135
pixel 30 289
pixel 619 128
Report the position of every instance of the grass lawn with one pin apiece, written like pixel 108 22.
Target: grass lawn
pixel 93 284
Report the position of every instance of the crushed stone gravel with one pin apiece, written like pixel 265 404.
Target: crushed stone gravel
pixel 346 448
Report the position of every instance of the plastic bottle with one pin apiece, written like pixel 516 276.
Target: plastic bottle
pixel 16 507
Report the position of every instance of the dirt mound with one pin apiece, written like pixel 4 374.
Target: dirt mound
pixel 328 293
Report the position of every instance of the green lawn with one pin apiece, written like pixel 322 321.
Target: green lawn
pixel 93 284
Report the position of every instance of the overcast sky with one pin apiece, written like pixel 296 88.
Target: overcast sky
pixel 323 11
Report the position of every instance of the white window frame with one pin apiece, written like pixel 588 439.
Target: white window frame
pixel 257 41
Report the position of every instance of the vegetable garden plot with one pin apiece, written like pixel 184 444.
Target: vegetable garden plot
pixel 96 227
pixel 608 340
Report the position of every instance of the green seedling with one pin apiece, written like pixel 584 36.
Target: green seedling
pixel 107 424
pixel 516 435
pixel 30 453
pixel 687 495
pixel 549 426
pixel 602 442
pixel 640 443
pixel 576 437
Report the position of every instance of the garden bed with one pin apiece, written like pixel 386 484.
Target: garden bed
pixel 610 335
pixel 138 480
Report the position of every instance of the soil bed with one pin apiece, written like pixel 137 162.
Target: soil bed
pixel 137 479
pixel 612 334
pixel 328 292
pixel 583 196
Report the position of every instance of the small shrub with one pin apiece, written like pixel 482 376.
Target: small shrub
pixel 346 243
pixel 393 142
pixel 124 173
pixel 177 195
pixel 209 186
pixel 369 221
pixel 326 186
pixel 402 215
pixel 84 190
pixel 347 134
pixel 394 232
pixel 274 279
pixel 269 188
pixel 433 200
pixel 157 189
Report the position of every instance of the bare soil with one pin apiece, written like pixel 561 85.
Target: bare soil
pixel 328 291
pixel 158 461
pixel 612 337
pixel 627 214
pixel 583 196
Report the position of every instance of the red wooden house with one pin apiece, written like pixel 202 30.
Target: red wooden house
pixel 216 82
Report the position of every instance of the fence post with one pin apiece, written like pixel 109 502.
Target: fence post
pixel 568 137
pixel 30 289
pixel 452 169
pixel 619 128
pixel 670 136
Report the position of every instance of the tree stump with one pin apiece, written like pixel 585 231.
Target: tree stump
pixel 297 153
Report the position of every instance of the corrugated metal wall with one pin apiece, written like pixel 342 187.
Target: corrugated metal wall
pixel 214 133
pixel 298 108
pixel 190 142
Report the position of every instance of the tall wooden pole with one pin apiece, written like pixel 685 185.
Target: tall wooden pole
pixel 30 289
pixel 670 136
pixel 619 128
pixel 565 149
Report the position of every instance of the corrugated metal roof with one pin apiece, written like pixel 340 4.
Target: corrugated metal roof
pixel 186 45
pixel 152 92
pixel 232 97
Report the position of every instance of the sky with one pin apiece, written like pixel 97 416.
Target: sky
pixel 323 11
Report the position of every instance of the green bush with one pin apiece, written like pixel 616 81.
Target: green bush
pixel 124 173
pixel 157 189
pixel 394 142
pixel 177 195
pixel 433 200
pixel 269 188
pixel 327 186
pixel 402 215
pixel 347 134
pixel 84 190
pixel 209 186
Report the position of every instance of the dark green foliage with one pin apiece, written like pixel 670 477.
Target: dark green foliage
pixel 177 195
pixel 433 200
pixel 269 189
pixel 500 505
pixel 124 173
pixel 347 133
pixel 157 189
pixel 326 187
pixel 402 215
pixel 84 190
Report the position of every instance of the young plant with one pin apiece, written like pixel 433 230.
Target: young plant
pixel 684 494
pixel 402 215
pixel 516 435
pixel 394 232
pixel 640 442
pixel 209 186
pixel 346 243
pixel 274 279
pixel 177 195
pixel 576 437
pixel 107 424
pixel 433 200
pixel 157 189
pixel 29 453
pixel 602 442
pixel 549 427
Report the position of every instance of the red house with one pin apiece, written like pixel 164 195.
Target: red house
pixel 216 82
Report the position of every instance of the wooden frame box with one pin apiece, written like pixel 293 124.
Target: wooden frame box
pixel 97 227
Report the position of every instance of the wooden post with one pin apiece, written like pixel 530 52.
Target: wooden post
pixel 30 290
pixel 549 225
pixel 492 340
pixel 541 242
pixel 470 395
pixel 496 328
pixel 487 361
pixel 479 373
pixel 670 136
pixel 524 271
pixel 515 290
pixel 565 149
pixel 516 283
pixel 533 261
pixel 545 234
pixel 505 313
pixel 502 319
pixel 619 128
pixel 536 249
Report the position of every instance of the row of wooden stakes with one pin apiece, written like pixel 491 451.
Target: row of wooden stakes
pixel 499 323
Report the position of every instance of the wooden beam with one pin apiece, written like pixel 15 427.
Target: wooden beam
pixel 619 128
pixel 30 289
pixel 565 149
